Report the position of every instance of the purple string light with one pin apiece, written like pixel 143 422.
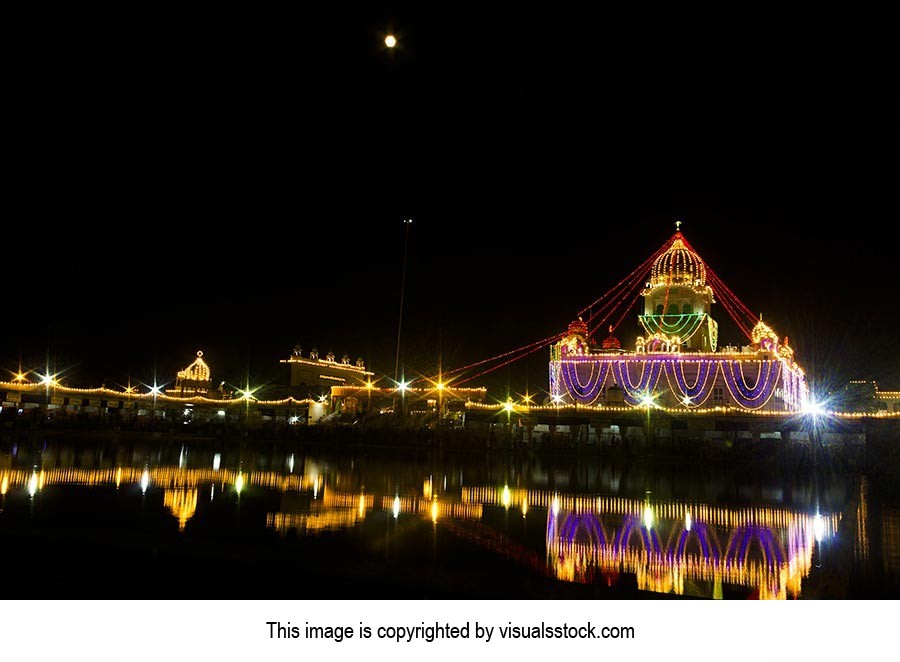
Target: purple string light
pixel 634 393
pixel 762 390
pixel 584 392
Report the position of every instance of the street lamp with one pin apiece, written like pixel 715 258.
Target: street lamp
pixel 407 222
pixel 509 407
pixel 403 387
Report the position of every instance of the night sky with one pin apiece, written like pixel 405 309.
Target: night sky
pixel 174 192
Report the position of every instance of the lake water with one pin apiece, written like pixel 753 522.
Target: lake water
pixel 83 519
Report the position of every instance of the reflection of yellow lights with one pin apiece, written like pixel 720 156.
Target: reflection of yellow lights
pixel 182 504
pixel 687 521
pixel 648 516
pixel 554 505
pixel 4 485
pixel 33 484
pixel 362 506
pixel 395 507
pixel 427 488
pixel 434 510
pixel 118 477
pixel 506 499
pixel 524 506
pixel 145 480
pixel 239 483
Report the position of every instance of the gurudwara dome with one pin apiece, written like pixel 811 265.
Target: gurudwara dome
pixel 679 265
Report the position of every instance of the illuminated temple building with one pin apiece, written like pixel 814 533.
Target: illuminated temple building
pixel 677 362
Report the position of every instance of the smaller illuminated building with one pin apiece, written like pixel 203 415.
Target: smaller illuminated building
pixel 193 380
pixel 372 399
pixel 312 374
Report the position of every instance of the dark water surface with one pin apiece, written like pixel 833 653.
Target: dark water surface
pixel 83 519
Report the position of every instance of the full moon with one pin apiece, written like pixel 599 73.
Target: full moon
pixel 390 41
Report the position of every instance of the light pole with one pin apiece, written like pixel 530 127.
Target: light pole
pixel 407 222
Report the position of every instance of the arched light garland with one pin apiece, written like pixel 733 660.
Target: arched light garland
pixel 703 383
pixel 775 378
pixel 683 326
pixel 585 393
pixel 634 394
pixel 762 391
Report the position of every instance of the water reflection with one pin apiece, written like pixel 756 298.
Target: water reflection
pixel 758 538
pixel 669 545
pixel 182 503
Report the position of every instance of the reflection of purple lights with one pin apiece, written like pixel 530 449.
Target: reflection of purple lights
pixel 701 532
pixel 588 522
pixel 620 540
pixel 635 393
pixel 649 538
pixel 743 538
pixel 585 392
pixel 740 543
pixel 762 390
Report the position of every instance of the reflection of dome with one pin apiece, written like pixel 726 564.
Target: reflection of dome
pixel 182 503
pixel 679 265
